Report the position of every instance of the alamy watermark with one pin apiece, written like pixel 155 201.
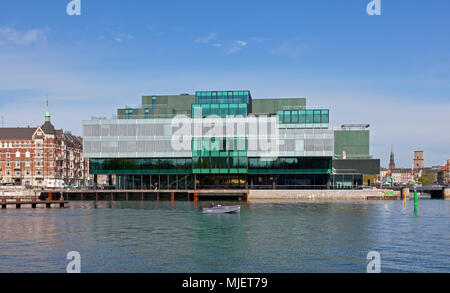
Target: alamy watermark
pixel 374 7
pixel 260 135
pixel 374 265
pixel 74 266
pixel 74 8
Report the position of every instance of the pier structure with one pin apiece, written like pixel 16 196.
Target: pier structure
pixel 144 195
pixel 18 203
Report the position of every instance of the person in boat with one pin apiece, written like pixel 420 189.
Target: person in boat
pixel 211 205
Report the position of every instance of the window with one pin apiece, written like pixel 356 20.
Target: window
pixel 325 116
pixel 39 154
pixel 8 172
pixel 50 153
pixel 317 116
pixel 17 154
pixel 309 116
pixel 27 163
pixel 28 172
pixel 17 164
pixel 287 116
pixel 294 116
pixel 8 164
pixel 8 154
pixel 27 154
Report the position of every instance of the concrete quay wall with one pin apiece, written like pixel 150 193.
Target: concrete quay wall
pixel 369 194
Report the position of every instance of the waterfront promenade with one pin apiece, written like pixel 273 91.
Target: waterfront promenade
pixel 211 194
pixel 234 194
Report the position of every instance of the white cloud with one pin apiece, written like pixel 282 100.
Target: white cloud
pixel 206 39
pixel 235 47
pixel 290 48
pixel 11 37
pixel 259 40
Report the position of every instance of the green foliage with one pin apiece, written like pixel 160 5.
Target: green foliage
pixel 424 180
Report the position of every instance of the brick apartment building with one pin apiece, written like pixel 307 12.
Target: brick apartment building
pixel 33 155
pixel 444 174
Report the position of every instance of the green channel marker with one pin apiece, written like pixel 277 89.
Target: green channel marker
pixel 415 201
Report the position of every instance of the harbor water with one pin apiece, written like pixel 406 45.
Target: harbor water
pixel 267 236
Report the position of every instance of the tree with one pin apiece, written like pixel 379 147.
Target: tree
pixel 424 180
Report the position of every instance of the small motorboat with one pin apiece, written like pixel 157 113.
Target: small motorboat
pixel 222 210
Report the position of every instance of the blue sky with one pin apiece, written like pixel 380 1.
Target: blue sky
pixel 391 71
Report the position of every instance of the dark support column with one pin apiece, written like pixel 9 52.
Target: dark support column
pixel 33 205
pixel 95 181
pixel 168 182
pixel 110 180
pixel 142 182
pixel 195 181
pixel 177 183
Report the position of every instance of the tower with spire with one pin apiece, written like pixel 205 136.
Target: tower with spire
pixel 47 113
pixel 48 127
pixel 392 161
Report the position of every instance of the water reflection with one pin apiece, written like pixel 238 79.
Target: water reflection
pixel 291 236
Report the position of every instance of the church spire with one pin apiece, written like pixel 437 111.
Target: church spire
pixel 392 161
pixel 47 113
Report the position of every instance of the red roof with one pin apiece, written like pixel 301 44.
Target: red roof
pixel 445 168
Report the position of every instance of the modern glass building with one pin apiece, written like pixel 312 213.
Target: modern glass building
pixel 215 139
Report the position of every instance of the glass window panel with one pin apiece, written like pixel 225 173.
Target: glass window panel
pixel 287 116
pixel 280 116
pixel 309 116
pixel 294 117
pixel 317 116
pixel 325 116
pixel 215 109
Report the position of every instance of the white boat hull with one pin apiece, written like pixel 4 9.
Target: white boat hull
pixel 222 210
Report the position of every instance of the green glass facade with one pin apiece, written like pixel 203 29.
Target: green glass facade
pixel 303 116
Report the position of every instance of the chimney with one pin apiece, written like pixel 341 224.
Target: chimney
pixel 448 162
